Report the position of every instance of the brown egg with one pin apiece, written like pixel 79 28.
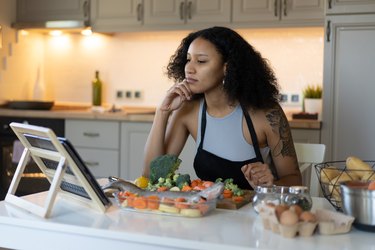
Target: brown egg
pixel 307 216
pixel 279 209
pixel 297 209
pixel 288 218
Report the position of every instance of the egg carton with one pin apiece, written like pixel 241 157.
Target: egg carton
pixel 328 223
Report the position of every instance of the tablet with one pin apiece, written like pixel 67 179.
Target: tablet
pixel 61 164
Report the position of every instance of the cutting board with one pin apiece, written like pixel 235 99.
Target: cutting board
pixel 228 203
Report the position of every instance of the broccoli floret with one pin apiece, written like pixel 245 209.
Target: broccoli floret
pixel 182 180
pixel 163 166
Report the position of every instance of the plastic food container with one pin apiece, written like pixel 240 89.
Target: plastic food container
pixel 165 206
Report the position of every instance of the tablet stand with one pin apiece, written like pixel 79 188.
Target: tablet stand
pixel 55 177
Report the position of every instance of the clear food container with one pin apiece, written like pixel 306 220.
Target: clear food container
pixel 167 206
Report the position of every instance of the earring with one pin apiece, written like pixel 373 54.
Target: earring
pixel 223 82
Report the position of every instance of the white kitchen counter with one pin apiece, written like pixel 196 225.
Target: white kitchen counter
pixel 75 227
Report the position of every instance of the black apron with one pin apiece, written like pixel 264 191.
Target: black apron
pixel 209 166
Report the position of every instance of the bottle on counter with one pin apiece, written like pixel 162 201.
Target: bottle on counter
pixel 97 90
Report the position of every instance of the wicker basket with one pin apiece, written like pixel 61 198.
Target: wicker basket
pixel 331 186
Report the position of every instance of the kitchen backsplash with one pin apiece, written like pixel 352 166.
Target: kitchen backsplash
pixel 136 62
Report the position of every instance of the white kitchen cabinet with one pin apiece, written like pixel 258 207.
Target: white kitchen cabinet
pixel 97 142
pixel 116 15
pixel 133 139
pixel 306 135
pixel 255 13
pixel 47 10
pixel 348 89
pixel 172 13
pixel 350 6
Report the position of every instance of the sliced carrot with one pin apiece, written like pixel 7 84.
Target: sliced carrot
pixel 195 182
pixel 140 202
pixel 181 203
pixel 227 193
pixel 130 201
pixel 186 188
pixel 207 184
pixel 162 189
pixel 199 187
pixel 167 201
pixel 153 202
pixel 237 199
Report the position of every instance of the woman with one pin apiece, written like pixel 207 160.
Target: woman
pixel 225 97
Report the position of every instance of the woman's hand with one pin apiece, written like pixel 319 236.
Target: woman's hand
pixel 258 174
pixel 176 95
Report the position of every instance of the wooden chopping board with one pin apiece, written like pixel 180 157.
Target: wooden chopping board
pixel 228 203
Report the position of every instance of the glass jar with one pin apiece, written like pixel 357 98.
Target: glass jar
pixel 264 195
pixel 282 192
pixel 299 195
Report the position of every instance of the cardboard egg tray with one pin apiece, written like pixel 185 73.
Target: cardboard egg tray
pixel 328 223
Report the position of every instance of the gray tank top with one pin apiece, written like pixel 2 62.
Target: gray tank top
pixel 224 137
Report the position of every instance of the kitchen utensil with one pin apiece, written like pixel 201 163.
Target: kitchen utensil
pixel 30 105
pixel 359 202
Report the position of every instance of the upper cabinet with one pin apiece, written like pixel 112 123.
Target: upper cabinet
pixel 48 10
pixel 116 15
pixel 128 15
pixel 166 13
pixel 350 6
pixel 278 12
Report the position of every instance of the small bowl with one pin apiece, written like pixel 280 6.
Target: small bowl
pixel 359 202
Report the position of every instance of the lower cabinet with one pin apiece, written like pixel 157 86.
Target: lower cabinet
pixel 116 148
pixel 306 135
pixel 97 142
pixel 133 140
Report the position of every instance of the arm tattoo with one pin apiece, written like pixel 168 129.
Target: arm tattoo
pixel 280 126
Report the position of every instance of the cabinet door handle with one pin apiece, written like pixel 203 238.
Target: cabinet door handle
pixel 92 163
pixel 275 5
pixel 182 12
pixel 139 12
pixel 285 7
pixel 91 134
pixel 86 12
pixel 329 4
pixel 328 31
pixel 189 9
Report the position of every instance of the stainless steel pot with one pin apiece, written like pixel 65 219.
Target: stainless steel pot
pixel 359 202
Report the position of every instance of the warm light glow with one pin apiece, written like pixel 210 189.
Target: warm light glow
pixel 55 33
pixel 60 43
pixel 90 42
pixel 86 32
pixel 24 32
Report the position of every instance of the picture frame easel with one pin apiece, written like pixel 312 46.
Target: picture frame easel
pixel 62 166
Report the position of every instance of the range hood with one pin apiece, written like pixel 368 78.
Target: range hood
pixel 45 26
pixel 46 15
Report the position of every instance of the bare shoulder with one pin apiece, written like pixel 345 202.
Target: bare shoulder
pixel 187 116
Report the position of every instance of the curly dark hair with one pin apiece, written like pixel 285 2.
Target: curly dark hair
pixel 248 78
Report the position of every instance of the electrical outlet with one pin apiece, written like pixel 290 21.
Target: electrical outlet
pixel 138 94
pixel 291 99
pixel 119 94
pixel 284 98
pixel 128 94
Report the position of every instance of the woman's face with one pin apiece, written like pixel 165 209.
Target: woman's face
pixel 205 68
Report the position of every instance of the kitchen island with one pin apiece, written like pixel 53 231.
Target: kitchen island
pixel 72 226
